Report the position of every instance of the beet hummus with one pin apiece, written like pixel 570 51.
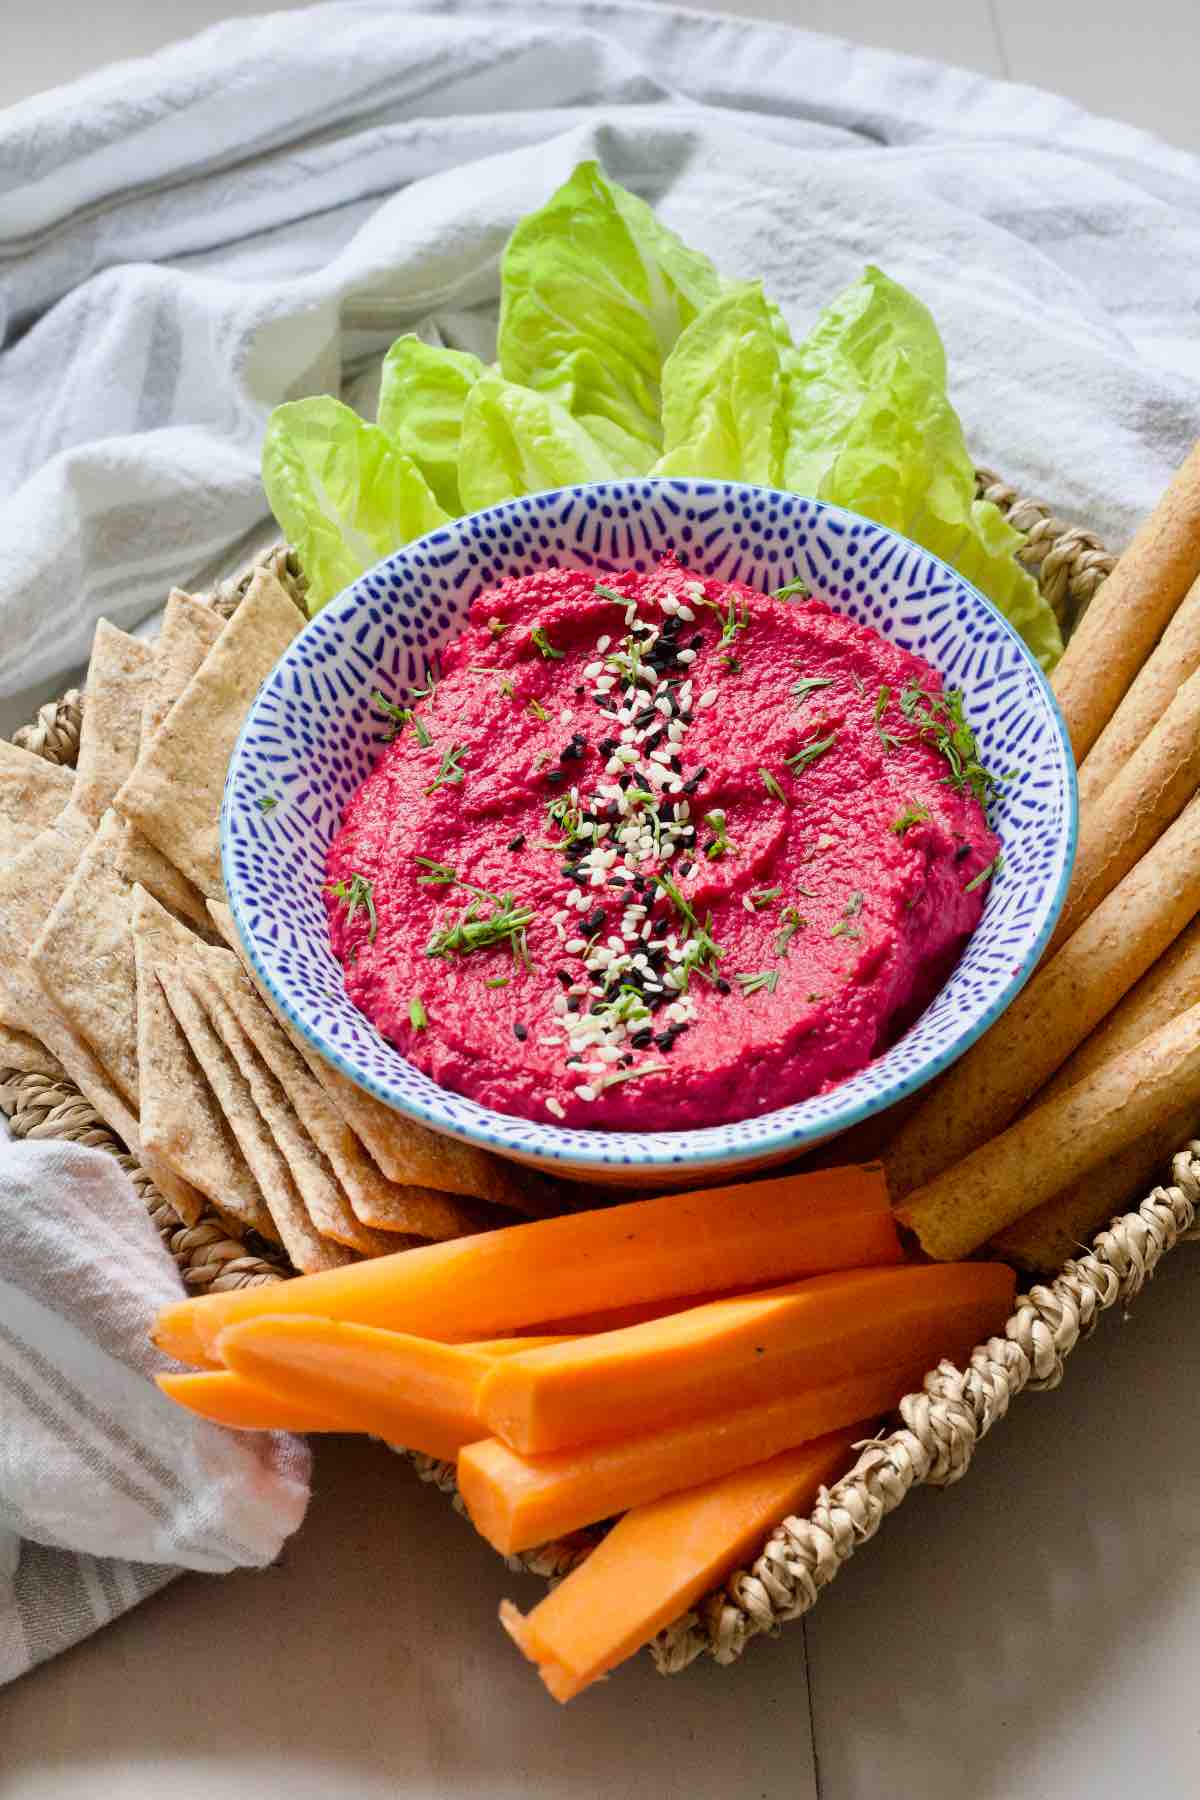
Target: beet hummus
pixel 659 851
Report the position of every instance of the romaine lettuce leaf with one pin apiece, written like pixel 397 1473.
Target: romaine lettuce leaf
pixel 515 441
pixel 594 293
pixel 723 393
pixel 344 494
pixel 421 399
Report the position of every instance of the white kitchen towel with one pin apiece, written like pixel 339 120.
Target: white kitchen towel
pixel 107 1488
pixel 254 214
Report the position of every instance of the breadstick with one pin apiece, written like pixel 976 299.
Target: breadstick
pixel 1165 990
pixel 1097 1119
pixel 1125 620
pixel 1066 999
pixel 1047 1236
pixel 1135 809
pixel 1173 659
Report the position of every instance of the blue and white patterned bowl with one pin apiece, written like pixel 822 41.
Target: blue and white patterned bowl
pixel 311 739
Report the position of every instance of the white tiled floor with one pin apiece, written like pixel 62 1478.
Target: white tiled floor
pixel 1034 1633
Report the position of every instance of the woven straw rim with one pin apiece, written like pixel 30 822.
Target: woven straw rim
pixel 939 1427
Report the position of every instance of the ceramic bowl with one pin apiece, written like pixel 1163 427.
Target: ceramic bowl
pixel 312 736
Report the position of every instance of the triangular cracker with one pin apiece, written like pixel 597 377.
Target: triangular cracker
pixel 188 631
pixel 32 791
pixel 112 717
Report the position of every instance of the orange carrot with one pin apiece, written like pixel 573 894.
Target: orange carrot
pixel 230 1400
pixel 407 1390
pixel 659 1559
pixel 517 1501
pixel 735 1352
pixel 523 1275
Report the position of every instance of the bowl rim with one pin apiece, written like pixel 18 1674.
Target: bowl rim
pixel 662 1150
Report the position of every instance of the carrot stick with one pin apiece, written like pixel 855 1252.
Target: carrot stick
pixel 660 1558
pixel 230 1400
pixel 1057 1143
pixel 1173 659
pixel 407 1390
pixel 1168 987
pixel 1066 999
pixel 1065 1225
pixel 734 1353
pixel 1153 787
pixel 1130 611
pixel 517 1501
pixel 619 1255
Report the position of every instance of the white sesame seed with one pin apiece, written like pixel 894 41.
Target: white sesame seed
pixel 686 656
pixel 576 946
pixel 669 603
pixel 566 715
pixel 661 756
pixel 675 732
pixel 708 698
pixel 603 643
pixel 553 1106
pixel 608 1053
pixel 593 669
pixel 686 613
pixel 585 1092
pixel 663 705
pixel 613 766
pixel 605 682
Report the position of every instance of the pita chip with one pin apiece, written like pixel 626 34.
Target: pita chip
pixel 181 1122
pixel 173 795
pixel 111 730
pixel 33 792
pixel 22 1053
pixel 419 1212
pixel 324 1200
pixel 189 629
pixel 307 1250
pixel 407 1153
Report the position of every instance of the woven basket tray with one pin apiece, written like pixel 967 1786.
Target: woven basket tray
pixel 937 1429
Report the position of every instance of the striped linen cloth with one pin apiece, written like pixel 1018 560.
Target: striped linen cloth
pixel 107 1490
pixel 255 213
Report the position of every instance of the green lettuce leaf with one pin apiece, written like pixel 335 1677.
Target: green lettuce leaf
pixel 903 462
pixel 421 399
pixel 516 441
pixel 723 393
pixel 343 493
pixel 594 293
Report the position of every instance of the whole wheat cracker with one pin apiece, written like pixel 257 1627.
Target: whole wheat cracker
pixel 188 631
pixel 307 1250
pixel 174 794
pixel 32 791
pixel 111 728
pixel 23 1053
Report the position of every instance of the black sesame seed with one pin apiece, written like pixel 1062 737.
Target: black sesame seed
pixel 646 716
pixel 565 976
pixel 671 625
pixel 696 643
pixel 642 1040
pixel 594 922
pixel 572 1003
pixel 618 881
pixel 666 1039
pixel 553 776
pixel 686 868
pixel 606 746
pixel 693 781
pixel 520 1032
pixel 961 854
pixel 518 843
pixel 573 751
pixel 639 882
pixel 580 690
pixel 685 718
pixel 722 986
pixel 625 1062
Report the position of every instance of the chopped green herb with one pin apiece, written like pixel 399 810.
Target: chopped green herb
pixel 537 711
pixel 417 1015
pixel 506 686
pixel 423 737
pixel 772 786
pixel 913 814
pixel 715 821
pixel 844 929
pixel 450 770
pixel 881 700
pixel 760 897
pixel 399 715
pixel 266 804
pixel 496 981
pixel 357 892
pixel 426 691
pixel 696 933
pixel 496 626
pixel 794 590
pixel 543 644
pixel 811 752
pixel 732 663
pixel 940 720
pixel 564 813
pixel 606 593
pixel 853 905
pixel 859 686
pixel 993 868
pixel 599 1083
pixel 792 923
pixel 753 984
pixel 808 684
pixel 440 874
pixel 813 998
pixel 506 923
pixel 732 618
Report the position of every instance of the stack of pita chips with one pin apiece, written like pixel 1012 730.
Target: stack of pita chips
pixel 120 968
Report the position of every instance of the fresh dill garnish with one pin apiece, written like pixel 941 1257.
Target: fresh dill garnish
pixel 793 589
pixel 563 813
pixel 423 737
pixel 417 1016
pixel 859 685
pixel 754 984
pixel 450 770
pixel 853 905
pixel 772 786
pixel 496 981
pixel 496 626
pixel 993 868
pixel 606 593
pixel 941 722
pixel 792 922
pixel 542 643
pixel 881 700
pixel 600 1082
pixel 506 923
pixel 391 709
pixel 357 892
pixel 506 686
pixel 731 662
pixel 721 842
pixel 440 874
pixel 810 753
pixel 696 933
pixel 425 692
pixel 808 684
pixel 537 711
pixel 843 928
pixel 913 814
pixel 266 803
pixel 732 618
pixel 760 897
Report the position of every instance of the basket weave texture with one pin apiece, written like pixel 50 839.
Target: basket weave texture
pixel 938 1428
